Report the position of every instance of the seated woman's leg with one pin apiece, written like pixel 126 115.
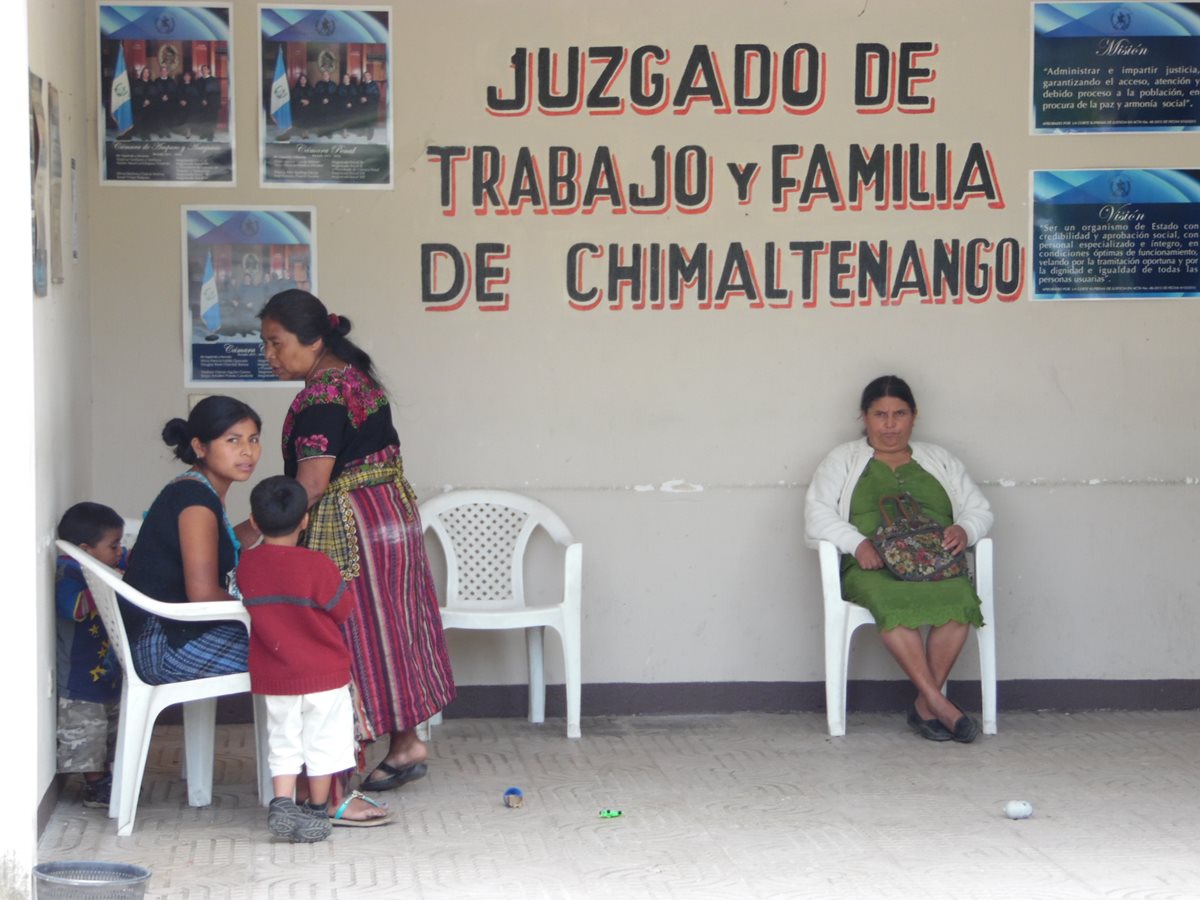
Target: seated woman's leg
pixel 942 647
pixel 906 646
pixel 219 651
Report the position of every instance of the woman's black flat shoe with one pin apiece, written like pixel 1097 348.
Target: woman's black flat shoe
pixel 930 729
pixel 966 729
pixel 395 776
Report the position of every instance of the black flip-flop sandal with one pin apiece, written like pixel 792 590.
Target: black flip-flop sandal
pixel 396 776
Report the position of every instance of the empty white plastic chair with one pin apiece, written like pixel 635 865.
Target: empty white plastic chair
pixel 842 618
pixel 141 703
pixel 484 535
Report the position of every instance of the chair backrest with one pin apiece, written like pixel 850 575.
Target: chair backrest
pixel 102 581
pixel 132 528
pixel 484 535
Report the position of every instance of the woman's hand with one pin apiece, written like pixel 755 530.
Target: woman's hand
pixel 954 539
pixel 247 534
pixel 868 557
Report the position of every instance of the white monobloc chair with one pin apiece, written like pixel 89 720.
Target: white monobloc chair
pixel 141 703
pixel 842 618
pixel 484 535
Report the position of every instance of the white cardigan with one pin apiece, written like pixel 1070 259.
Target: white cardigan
pixel 827 502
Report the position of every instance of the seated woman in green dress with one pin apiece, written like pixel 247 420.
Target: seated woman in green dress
pixel 842 506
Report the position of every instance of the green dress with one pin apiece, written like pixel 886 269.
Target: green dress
pixel 891 601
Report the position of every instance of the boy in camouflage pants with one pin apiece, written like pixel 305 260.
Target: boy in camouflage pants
pixel 89 684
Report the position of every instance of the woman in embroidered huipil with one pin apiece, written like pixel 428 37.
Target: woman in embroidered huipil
pixel 186 548
pixel 339 442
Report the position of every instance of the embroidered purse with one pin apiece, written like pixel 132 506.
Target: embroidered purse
pixel 911 543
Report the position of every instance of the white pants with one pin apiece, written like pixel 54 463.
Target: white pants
pixel 311 730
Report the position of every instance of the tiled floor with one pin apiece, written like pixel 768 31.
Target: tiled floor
pixel 745 806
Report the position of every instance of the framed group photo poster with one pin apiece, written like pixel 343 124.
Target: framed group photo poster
pixel 166 95
pixel 325 111
pixel 234 260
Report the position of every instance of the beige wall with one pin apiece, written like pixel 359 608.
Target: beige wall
pixel 1077 417
pixel 60 362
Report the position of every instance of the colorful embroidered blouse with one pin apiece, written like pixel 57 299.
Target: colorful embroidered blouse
pixel 342 415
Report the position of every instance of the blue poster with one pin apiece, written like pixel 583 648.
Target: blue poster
pixel 325 97
pixel 166 95
pixel 234 260
pixel 1101 67
pixel 1116 233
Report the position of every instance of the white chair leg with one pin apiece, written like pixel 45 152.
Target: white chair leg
pixel 534 645
pixel 424 732
pixel 987 676
pixel 118 771
pixel 837 653
pixel 199 744
pixel 837 639
pixel 573 669
pixel 266 788
pixel 137 722
pixel 985 587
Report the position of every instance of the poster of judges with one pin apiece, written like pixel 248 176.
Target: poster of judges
pixel 325 118
pixel 166 95
pixel 234 260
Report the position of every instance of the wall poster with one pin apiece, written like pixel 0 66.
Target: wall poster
pixel 234 260
pixel 325 116
pixel 56 185
pixel 166 95
pixel 1101 67
pixel 38 163
pixel 1108 233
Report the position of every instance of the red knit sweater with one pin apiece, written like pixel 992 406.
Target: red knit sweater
pixel 296 599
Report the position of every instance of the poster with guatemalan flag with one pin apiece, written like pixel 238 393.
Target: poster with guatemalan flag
pixel 166 95
pixel 325 116
pixel 234 260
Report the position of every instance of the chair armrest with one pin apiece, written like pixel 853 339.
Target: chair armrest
pixel 831 571
pixel 982 568
pixel 206 611
pixel 573 575
pixel 209 611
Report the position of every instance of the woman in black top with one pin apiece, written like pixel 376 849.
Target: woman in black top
pixel 187 104
pixel 187 549
pixel 347 103
pixel 303 110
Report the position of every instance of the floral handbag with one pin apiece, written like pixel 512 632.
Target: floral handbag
pixel 911 543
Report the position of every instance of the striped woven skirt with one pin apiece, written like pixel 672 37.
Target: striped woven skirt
pixel 400 670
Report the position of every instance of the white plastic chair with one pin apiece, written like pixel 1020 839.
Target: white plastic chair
pixel 484 535
pixel 842 618
pixel 141 703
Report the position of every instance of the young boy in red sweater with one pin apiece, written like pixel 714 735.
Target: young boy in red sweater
pixel 298 659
